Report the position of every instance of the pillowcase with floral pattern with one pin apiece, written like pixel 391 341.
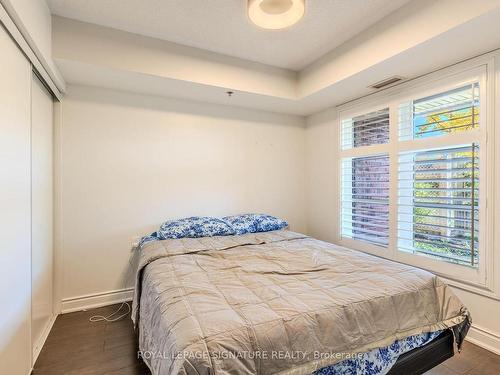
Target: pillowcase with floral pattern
pixel 252 223
pixel 193 227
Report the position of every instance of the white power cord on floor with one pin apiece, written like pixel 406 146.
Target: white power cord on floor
pixel 111 317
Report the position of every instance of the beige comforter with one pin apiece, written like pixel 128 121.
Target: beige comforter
pixel 277 303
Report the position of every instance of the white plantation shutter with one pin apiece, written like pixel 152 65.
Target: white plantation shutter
pixel 365 130
pixel 438 189
pixel 365 199
pixel 410 176
pixel 438 202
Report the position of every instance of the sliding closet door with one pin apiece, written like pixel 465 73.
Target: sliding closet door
pixel 41 213
pixel 15 212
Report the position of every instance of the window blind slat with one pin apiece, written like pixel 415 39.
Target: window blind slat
pixel 441 256
pixel 403 227
pixel 382 241
pixel 423 217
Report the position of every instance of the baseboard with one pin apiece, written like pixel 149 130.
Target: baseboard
pixel 41 341
pixel 92 301
pixel 484 338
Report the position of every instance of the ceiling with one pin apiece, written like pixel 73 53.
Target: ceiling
pixel 222 26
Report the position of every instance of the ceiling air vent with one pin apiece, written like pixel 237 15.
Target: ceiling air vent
pixel 386 82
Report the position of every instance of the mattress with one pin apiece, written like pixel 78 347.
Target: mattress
pixel 279 303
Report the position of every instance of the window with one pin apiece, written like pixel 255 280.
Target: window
pixel 365 130
pixel 438 189
pixel 365 184
pixel 411 175
pixel 438 200
pixel 452 111
pixel 365 199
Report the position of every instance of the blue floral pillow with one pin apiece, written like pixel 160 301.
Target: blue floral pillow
pixel 197 226
pixel 252 223
pixel 150 238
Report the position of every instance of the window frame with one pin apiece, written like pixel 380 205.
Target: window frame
pixel 477 70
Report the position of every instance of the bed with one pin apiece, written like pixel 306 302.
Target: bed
pixel 280 302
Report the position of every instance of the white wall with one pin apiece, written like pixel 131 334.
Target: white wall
pixel 322 170
pixel 130 162
pixel 322 166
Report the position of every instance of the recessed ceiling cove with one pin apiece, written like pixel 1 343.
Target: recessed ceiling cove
pixel 223 26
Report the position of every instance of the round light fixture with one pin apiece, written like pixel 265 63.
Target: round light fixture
pixel 275 14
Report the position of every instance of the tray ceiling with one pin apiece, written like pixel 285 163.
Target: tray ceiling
pixel 222 25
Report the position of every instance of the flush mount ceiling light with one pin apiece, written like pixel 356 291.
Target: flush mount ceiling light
pixel 275 14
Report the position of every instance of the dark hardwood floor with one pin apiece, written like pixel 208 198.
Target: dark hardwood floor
pixel 76 346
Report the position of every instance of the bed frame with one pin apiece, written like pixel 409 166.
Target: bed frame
pixel 422 359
